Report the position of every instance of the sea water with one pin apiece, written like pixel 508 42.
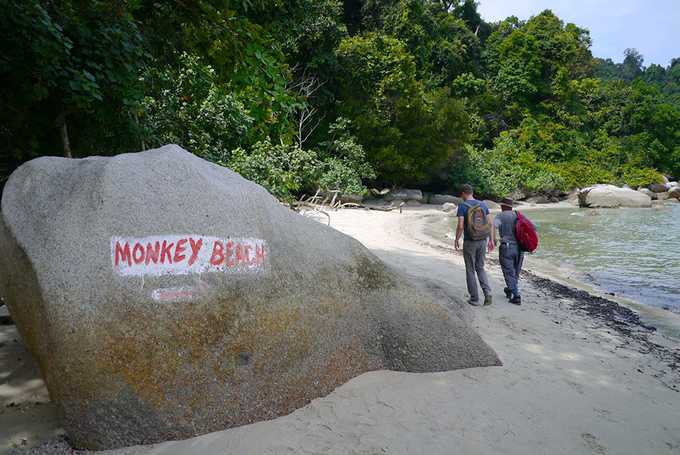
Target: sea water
pixel 634 253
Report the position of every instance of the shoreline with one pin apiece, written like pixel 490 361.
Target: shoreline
pixel 652 326
pixel 581 374
pixel 664 319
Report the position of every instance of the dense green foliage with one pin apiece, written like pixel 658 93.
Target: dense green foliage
pixel 330 94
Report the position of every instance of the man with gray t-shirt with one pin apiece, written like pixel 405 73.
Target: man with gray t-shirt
pixel 510 255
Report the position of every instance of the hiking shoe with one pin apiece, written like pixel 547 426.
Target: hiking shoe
pixel 473 302
pixel 508 293
pixel 517 300
pixel 487 300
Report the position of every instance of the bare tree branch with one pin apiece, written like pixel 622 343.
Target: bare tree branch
pixel 306 86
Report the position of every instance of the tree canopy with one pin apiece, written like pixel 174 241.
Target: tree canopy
pixel 306 94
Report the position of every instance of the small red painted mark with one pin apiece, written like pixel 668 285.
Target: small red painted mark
pixel 179 249
pixel 218 253
pixel 246 254
pixel 166 251
pixel 259 254
pixel 122 254
pixel 138 253
pixel 230 252
pixel 152 252
pixel 195 249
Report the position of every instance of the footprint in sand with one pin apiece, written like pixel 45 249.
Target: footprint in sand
pixel 592 443
pixel 605 414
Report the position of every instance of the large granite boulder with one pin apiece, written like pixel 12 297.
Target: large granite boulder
pixel 610 196
pixel 164 297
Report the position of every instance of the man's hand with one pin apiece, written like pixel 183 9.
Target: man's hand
pixel 459 232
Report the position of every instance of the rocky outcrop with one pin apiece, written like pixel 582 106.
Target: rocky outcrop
pixel 352 198
pixel 164 296
pixel 674 193
pixel 648 192
pixel 440 199
pixel 517 195
pixel 404 195
pixel 609 196
pixel 449 207
pixel 540 199
pixel 657 187
pixel 492 205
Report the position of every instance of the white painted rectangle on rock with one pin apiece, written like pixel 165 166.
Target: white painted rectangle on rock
pixel 176 294
pixel 185 254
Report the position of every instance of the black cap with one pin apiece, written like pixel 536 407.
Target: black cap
pixel 506 201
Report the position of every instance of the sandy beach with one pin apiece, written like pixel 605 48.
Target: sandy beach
pixel 580 375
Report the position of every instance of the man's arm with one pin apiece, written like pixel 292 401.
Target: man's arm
pixel 459 231
pixel 492 238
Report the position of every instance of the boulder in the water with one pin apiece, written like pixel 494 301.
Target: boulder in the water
pixel 610 196
pixel 164 296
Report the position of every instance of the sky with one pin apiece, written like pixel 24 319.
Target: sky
pixel 650 26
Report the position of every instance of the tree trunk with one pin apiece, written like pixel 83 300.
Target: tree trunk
pixel 63 131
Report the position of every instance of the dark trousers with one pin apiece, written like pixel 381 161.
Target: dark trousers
pixel 511 259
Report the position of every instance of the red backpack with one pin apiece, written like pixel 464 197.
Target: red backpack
pixel 525 233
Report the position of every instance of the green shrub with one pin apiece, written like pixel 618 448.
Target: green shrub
pixel 576 174
pixel 543 178
pixel 339 175
pixel 636 177
pixel 281 169
pixel 190 108
pixel 492 172
pixel 343 161
pixel 506 167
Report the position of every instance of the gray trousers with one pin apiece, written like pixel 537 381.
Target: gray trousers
pixel 474 253
pixel 511 259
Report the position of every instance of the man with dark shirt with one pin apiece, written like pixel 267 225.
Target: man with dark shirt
pixel 509 253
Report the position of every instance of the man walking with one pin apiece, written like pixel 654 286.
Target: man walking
pixel 510 255
pixel 475 224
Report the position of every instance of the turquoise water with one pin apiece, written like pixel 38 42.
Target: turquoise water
pixel 634 253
